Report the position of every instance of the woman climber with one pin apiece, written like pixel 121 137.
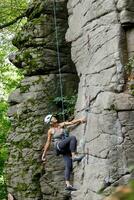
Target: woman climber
pixel 63 144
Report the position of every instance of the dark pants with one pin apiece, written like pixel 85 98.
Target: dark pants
pixel 67 146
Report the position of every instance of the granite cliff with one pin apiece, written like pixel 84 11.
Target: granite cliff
pixel 101 34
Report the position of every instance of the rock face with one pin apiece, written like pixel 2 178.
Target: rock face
pixel 101 33
pixel 101 36
pixel 27 177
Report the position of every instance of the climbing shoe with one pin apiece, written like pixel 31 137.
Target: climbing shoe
pixel 77 158
pixel 70 188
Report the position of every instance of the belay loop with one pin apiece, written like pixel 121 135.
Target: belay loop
pixel 58 58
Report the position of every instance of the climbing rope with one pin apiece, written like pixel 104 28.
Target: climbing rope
pixel 58 57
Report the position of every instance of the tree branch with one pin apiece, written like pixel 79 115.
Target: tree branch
pixel 13 21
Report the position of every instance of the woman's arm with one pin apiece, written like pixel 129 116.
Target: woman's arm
pixel 73 122
pixel 47 145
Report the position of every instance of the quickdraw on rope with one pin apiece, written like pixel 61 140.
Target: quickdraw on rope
pixel 58 58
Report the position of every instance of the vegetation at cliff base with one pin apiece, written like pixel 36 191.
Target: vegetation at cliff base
pixel 124 192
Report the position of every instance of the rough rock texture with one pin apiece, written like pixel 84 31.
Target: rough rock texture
pixel 101 33
pixel 27 177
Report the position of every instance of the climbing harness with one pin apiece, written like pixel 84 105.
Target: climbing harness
pixel 58 57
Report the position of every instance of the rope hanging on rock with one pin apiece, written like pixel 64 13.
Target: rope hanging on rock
pixel 58 57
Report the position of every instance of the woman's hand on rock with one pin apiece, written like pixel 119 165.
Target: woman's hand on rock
pixel 83 120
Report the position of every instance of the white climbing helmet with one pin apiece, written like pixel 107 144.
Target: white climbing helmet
pixel 48 118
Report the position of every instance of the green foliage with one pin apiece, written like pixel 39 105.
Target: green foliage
pixel 126 193
pixel 130 73
pixel 132 89
pixel 2 189
pixel 4 128
pixel 9 74
pixel 9 77
pixel 4 121
pixel 130 65
pixel 10 9
pixel 69 106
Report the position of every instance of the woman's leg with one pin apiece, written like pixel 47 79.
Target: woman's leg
pixel 68 168
pixel 73 144
pixel 68 144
